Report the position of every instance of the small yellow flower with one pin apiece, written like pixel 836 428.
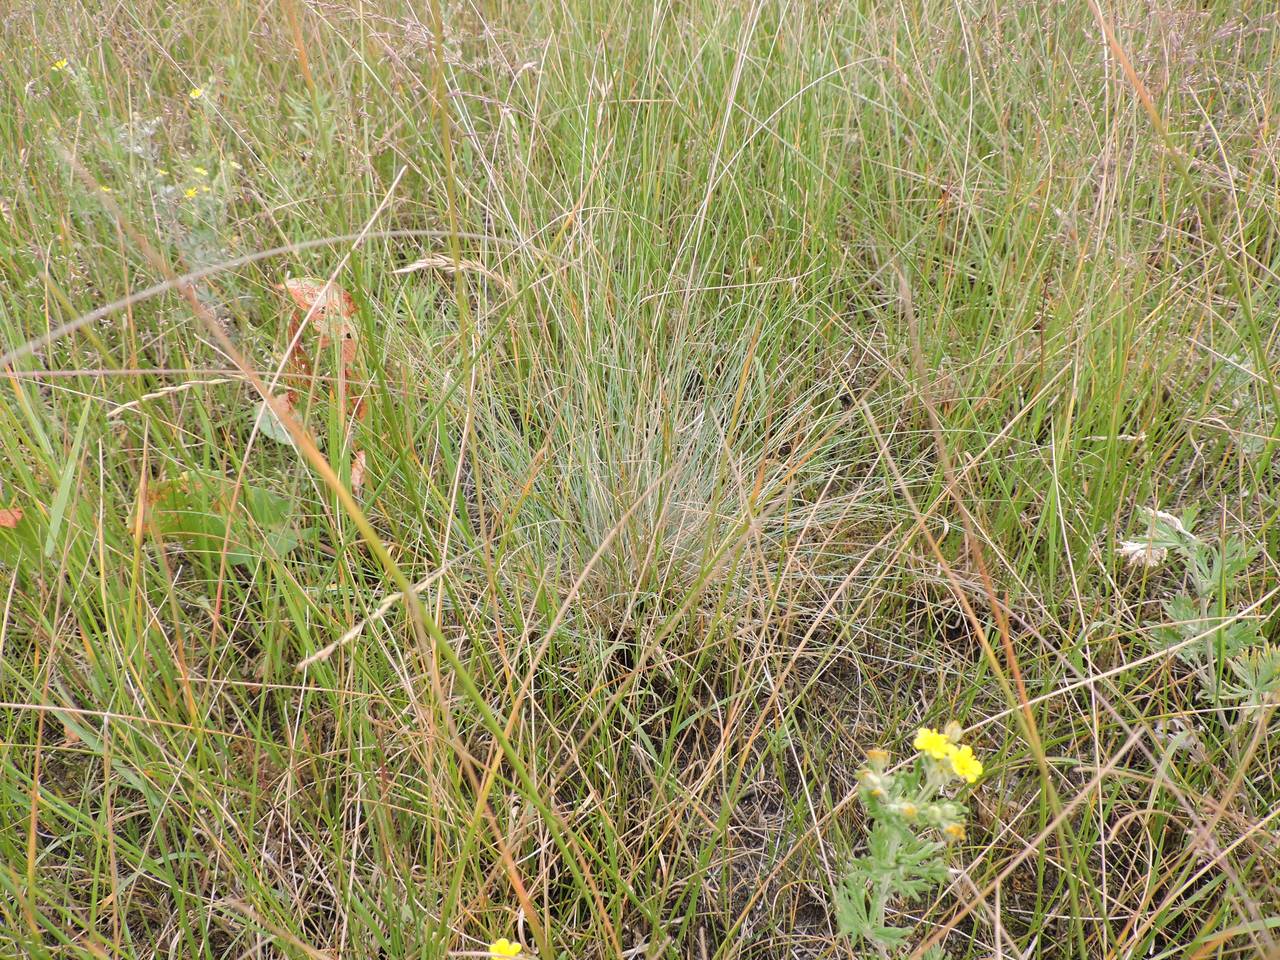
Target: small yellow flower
pixel 190 192
pixel 954 831
pixel 908 810
pixel 195 93
pixel 162 171
pixel 200 171
pixel 59 65
pixel 505 948
pixel 964 763
pixel 104 188
pixel 931 742
pixel 878 759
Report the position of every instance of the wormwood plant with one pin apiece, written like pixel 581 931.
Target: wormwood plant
pixel 1227 652
pixel 913 821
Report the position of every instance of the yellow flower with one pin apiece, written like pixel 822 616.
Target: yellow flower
pixel 200 171
pixel 195 93
pixel 505 948
pixel 954 831
pixel 964 763
pixel 59 65
pixel 931 742
pixel 879 759
pixel 190 192
pixel 104 188
pixel 162 171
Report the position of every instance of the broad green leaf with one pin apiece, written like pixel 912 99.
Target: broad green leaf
pixel 203 512
pixel 269 424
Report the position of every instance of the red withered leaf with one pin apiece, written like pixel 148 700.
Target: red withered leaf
pixel 357 471
pixel 327 299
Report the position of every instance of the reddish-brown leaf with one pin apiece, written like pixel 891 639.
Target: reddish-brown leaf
pixel 10 516
pixel 345 334
pixel 331 309
pixel 357 471
pixel 330 300
pixel 297 352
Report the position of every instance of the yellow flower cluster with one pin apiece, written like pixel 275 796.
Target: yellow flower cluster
pixel 505 948
pixel 915 799
pixel 941 745
pixel 932 742
pixel 965 764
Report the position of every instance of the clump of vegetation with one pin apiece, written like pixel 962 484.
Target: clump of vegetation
pixel 1221 643
pixel 909 810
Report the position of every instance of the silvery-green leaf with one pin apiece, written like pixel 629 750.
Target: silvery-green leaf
pixel 269 425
